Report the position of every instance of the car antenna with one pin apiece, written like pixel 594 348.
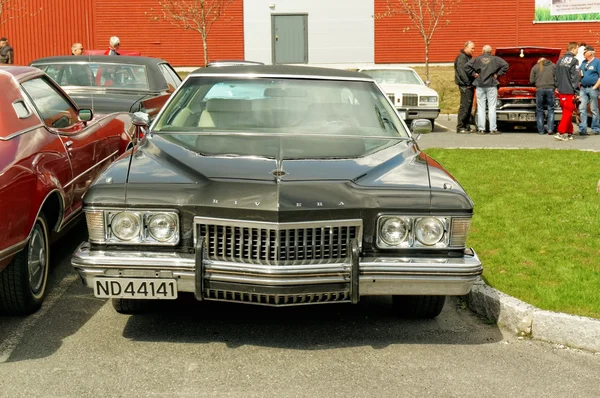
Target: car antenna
pixel 87 31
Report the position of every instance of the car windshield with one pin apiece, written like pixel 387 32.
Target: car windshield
pixel 105 75
pixel 394 76
pixel 309 117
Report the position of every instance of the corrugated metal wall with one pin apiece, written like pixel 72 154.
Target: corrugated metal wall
pixel 138 31
pixel 499 23
pixel 54 26
pixel 57 24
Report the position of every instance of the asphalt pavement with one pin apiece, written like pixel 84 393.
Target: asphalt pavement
pixel 444 136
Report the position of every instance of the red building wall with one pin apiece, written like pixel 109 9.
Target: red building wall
pixel 500 23
pixel 57 24
pixel 137 30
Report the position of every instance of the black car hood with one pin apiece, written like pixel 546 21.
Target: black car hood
pixel 164 174
pixel 101 101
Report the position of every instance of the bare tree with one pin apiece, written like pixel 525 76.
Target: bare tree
pixel 425 15
pixel 198 15
pixel 13 9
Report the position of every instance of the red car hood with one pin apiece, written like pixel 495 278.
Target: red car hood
pixel 521 60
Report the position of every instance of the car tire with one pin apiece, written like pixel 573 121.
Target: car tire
pixel 432 121
pixel 129 306
pixel 23 282
pixel 423 307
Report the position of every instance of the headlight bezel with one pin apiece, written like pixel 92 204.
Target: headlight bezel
pixel 104 234
pixel 454 236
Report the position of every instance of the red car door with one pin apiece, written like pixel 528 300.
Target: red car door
pixel 84 141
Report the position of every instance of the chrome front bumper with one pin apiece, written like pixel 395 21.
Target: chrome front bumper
pixel 232 281
pixel 411 113
pixel 516 115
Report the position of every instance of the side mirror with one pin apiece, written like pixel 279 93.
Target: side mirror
pixel 140 119
pixel 427 83
pixel 421 126
pixel 85 115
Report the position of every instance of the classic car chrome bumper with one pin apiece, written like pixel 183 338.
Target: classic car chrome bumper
pixel 410 113
pixel 516 115
pixel 232 281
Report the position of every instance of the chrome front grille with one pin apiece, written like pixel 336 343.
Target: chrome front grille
pixel 278 243
pixel 392 98
pixel 276 299
pixel 410 100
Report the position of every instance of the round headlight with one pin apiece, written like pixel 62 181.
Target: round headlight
pixel 126 226
pixel 393 231
pixel 429 230
pixel 162 227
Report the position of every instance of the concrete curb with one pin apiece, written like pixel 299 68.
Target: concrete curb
pixel 524 319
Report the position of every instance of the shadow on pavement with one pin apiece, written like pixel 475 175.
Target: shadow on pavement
pixel 370 323
pixel 66 309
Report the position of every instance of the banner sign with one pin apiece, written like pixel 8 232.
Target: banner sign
pixel 567 10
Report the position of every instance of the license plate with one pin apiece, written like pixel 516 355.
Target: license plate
pixel 137 288
pixel 531 118
pixel 402 114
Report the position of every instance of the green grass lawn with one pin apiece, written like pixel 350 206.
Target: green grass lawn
pixel 536 225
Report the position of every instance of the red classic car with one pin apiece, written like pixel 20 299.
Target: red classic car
pixel 516 96
pixel 50 152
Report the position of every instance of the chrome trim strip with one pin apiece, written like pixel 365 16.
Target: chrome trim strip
pixel 91 168
pixel 24 131
pixel 14 249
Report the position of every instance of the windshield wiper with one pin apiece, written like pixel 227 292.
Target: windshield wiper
pixel 384 120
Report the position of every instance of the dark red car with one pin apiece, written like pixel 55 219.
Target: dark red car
pixel 516 96
pixel 50 152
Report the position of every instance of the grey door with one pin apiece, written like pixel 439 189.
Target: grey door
pixel 290 39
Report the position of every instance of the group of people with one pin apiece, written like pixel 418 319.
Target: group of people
pixel 478 76
pixel 576 78
pixel 7 54
pixel 113 49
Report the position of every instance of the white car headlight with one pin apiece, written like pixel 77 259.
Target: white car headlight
pixel 429 230
pixel 162 227
pixel 126 226
pixel 428 98
pixel 393 231
pixel 132 226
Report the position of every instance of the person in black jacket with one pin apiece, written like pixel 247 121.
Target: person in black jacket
pixel 7 54
pixel 464 81
pixel 567 84
pixel 486 69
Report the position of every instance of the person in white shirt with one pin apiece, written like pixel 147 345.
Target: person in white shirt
pixel 580 52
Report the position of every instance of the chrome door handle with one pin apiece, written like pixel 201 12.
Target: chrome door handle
pixel 68 144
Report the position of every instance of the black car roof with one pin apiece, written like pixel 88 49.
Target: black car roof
pixel 134 60
pixel 282 70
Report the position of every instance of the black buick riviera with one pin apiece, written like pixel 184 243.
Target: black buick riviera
pixel 278 185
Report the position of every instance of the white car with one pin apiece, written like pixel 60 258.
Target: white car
pixel 408 92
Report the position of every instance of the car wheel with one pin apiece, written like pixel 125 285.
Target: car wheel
pixel 129 306
pixel 418 306
pixel 23 282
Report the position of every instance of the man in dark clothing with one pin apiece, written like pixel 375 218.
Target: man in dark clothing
pixel 590 82
pixel 486 69
pixel 567 82
pixel 542 75
pixel 464 81
pixel 7 55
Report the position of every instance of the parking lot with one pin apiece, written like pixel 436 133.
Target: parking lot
pixel 77 345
